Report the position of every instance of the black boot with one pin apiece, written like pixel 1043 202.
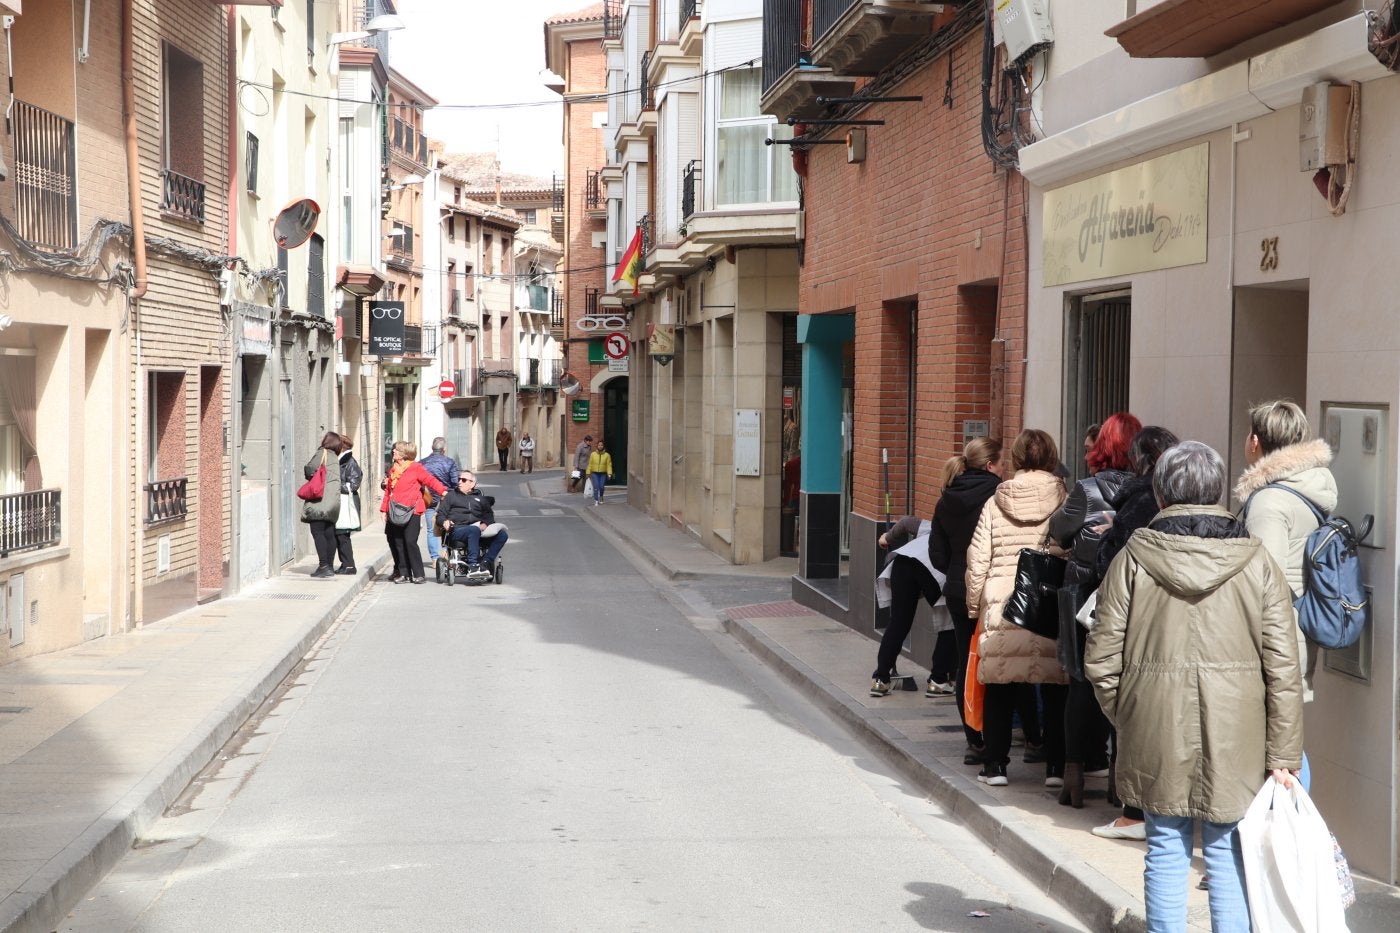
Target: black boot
pixel 1072 793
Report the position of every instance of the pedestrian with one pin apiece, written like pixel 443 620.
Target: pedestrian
pixel 1194 658
pixel 581 455
pixel 969 480
pixel 503 440
pixel 527 453
pixel 444 469
pixel 600 470
pixel 1016 516
pixel 405 483
pixel 320 514
pixel 467 512
pixel 348 521
pixel 1134 507
pixel 1078 526
pixel 908 575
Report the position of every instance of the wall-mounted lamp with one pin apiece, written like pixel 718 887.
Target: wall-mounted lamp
pixel 386 22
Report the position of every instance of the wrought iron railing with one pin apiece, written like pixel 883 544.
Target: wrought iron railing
pixel 549 379
pixel 412 340
pixel 46 203
pixel 165 501
pixel 30 520
pixel 429 343
pixel 532 373
pixel 689 8
pixel 689 181
pixel 612 19
pixel 183 197
pixel 782 38
pixel 644 83
pixel 590 301
pixel 644 225
pixel 454 305
pixel 556 203
pixel 556 310
pixel 825 13
pixel 593 191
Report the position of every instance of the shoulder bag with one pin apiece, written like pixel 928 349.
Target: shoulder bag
pixel 1034 603
pixel 313 489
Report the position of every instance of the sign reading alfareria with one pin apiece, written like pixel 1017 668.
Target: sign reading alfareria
pixel 1136 219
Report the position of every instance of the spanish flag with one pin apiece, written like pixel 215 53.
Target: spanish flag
pixel 629 269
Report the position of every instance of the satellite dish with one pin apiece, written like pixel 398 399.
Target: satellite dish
pixel 568 383
pixel 296 223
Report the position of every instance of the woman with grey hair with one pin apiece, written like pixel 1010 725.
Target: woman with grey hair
pixel 1194 661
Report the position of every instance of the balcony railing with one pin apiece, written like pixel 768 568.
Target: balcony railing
pixel 782 38
pixel 825 13
pixel 454 305
pixel 429 342
pixel 549 378
pixel 46 203
pixel 30 520
pixel 689 180
pixel 644 85
pixel 556 188
pixel 413 340
pixel 689 8
pixel 165 501
pixel 536 298
pixel 593 192
pixel 644 225
pixel 612 19
pixel 556 310
pixel 590 301
pixel 532 373
pixel 183 197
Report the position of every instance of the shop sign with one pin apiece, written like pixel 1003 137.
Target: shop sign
pixel 1137 219
pixel 255 335
pixel 386 328
pixel 579 409
pixel 748 446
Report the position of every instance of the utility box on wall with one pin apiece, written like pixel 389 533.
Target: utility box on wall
pixel 1322 126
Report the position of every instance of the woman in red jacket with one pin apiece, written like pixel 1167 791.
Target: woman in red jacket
pixel 404 485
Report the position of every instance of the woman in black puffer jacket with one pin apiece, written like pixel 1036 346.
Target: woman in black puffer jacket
pixel 1079 526
pixel 969 480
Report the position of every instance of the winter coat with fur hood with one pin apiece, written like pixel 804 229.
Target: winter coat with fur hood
pixel 1193 658
pixel 1277 517
pixel 1016 517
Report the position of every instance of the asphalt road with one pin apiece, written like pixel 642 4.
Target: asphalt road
pixel 580 748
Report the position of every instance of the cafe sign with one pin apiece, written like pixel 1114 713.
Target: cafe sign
pixel 1137 219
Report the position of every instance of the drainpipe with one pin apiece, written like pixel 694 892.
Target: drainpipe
pixel 133 168
pixel 235 420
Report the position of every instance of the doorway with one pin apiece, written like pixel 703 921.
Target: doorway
pixel 1268 356
pixel 615 426
pixel 1098 344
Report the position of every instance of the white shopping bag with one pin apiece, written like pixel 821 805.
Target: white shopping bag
pixel 1289 868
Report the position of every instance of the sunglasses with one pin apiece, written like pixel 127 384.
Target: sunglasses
pixel 464 479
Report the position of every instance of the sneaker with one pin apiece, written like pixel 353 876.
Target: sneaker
pixel 1054 780
pixel 1035 754
pixel 993 775
pixel 938 688
pixel 879 688
pixel 473 569
pixel 1096 772
pixel 1134 830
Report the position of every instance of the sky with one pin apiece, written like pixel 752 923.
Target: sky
pixel 485 52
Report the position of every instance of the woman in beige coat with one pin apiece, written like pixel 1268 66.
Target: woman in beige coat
pixel 1017 517
pixel 1194 660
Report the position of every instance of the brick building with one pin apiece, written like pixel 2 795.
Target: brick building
pixel 913 276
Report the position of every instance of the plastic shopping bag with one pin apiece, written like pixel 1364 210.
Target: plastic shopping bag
pixel 974 691
pixel 1289 864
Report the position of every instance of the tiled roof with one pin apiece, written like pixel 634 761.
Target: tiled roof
pixel 592 11
pixel 477 171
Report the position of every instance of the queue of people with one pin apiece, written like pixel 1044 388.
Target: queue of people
pixel 1179 670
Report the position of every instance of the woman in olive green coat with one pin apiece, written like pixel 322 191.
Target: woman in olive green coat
pixel 320 514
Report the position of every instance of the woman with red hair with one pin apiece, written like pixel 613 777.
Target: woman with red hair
pixel 1079 526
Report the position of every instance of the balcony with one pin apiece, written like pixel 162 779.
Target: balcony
pixel 182 197
pixel 590 302
pixel 166 501
pixel 468 383
pixel 862 37
pixel 593 200
pixel 30 520
pixel 420 341
pixel 612 19
pixel 690 9
pixel 791 84
pixel 556 311
pixel 648 241
pixel 401 247
pixel 690 187
pixel 644 91
pixel 556 190
pixel 533 299
pixel 46 203
pixel 530 374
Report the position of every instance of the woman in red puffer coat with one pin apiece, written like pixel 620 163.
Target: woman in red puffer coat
pixel 404 486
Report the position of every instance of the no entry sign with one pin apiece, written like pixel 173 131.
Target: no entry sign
pixel 447 389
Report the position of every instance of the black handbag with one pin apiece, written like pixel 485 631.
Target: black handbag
pixel 1034 603
pixel 1070 642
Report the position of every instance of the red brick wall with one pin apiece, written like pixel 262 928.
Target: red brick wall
pixel 926 217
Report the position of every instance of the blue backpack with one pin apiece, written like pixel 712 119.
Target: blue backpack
pixel 1334 605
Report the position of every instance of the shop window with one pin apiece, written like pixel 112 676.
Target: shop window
pixel 750 171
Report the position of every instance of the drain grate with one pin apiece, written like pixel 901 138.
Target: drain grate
pixel 14 710
pixel 284 596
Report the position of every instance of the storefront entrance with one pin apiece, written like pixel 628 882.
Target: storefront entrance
pixel 615 394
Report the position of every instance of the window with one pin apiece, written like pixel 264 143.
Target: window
pixel 347 195
pixel 488 254
pixel 316 276
pixel 165 432
pixel 456 194
pixel 250 164
pixel 528 215
pixel 15 451
pixel 310 29
pixel 183 122
pixel 749 171
pixel 452 228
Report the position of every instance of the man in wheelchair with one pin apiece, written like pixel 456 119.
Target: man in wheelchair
pixel 466 516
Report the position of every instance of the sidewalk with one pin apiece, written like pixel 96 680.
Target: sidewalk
pixel 96 741
pixel 1099 880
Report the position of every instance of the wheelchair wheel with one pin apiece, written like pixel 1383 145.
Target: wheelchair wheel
pixel 500 574
pixel 438 568
pixel 450 573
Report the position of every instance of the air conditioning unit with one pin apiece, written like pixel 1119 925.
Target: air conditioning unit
pixel 1024 26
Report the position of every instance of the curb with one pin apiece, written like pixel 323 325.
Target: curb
pixel 41 903
pixel 1099 903
pixel 655 560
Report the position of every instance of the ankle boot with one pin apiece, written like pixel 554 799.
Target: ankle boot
pixel 1072 793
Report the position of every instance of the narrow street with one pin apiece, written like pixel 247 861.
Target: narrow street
pixel 580 748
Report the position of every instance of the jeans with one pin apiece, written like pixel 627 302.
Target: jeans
pixel 1168 865
pixel 909 581
pixel 469 537
pixel 598 479
pixel 434 542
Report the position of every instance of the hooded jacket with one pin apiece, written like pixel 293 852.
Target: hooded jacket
pixel 1193 659
pixel 1134 507
pixel 1016 517
pixel 1283 523
pixel 954 519
pixel 1073 526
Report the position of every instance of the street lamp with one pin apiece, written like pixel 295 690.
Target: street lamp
pixel 385 22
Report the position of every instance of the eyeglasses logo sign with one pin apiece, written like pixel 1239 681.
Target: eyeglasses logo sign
pixel 605 322
pixel 386 330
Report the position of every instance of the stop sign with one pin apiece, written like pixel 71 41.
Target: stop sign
pixel 447 389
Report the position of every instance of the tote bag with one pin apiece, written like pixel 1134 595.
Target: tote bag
pixel 974 691
pixel 349 517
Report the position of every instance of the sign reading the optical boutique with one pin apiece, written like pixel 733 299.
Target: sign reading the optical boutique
pixel 1144 217
pixel 386 328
